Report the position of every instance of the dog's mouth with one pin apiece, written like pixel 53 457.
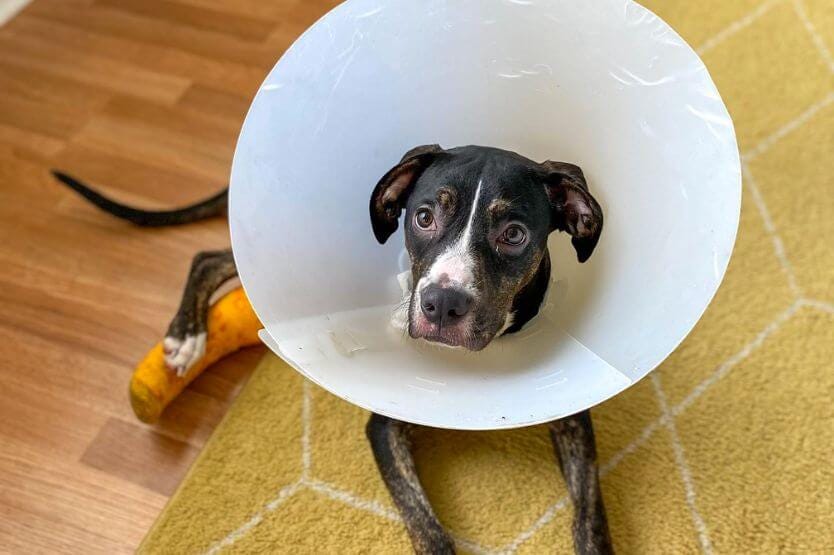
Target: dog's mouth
pixel 468 343
pixel 449 341
pixel 458 336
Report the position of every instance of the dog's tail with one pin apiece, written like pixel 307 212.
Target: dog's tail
pixel 216 205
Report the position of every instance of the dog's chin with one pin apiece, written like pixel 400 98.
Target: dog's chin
pixel 455 337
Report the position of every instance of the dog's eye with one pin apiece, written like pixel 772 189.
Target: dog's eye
pixel 424 219
pixel 514 235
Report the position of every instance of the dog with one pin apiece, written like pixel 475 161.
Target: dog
pixel 476 224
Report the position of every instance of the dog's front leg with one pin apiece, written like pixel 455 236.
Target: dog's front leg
pixel 391 445
pixel 573 441
pixel 185 342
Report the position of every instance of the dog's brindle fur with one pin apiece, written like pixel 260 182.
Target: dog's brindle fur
pixel 572 436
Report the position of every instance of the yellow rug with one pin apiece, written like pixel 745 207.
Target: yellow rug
pixel 727 448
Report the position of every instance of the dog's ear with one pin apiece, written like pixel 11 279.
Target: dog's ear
pixel 391 193
pixel 572 207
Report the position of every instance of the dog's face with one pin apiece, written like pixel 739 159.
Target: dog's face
pixel 476 226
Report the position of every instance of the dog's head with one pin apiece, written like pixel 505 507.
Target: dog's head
pixel 476 226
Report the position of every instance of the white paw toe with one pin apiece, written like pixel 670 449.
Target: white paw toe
pixel 181 354
pixel 171 344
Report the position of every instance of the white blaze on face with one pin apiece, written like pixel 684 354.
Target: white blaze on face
pixel 455 265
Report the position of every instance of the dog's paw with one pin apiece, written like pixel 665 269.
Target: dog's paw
pixel 182 354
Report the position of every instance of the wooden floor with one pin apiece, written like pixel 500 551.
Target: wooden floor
pixel 144 98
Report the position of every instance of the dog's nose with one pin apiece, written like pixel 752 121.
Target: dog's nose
pixel 444 305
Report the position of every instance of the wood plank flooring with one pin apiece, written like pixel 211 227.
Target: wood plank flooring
pixel 143 98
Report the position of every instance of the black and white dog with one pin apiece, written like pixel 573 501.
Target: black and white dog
pixel 476 225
